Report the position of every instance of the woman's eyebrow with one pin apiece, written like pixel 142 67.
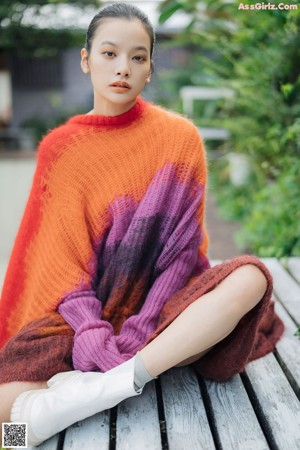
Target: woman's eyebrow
pixel 108 43
pixel 139 47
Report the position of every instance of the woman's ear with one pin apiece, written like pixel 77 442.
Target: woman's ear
pixel 85 61
pixel 148 79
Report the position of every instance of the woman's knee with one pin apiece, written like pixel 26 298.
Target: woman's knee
pixel 254 285
pixel 253 275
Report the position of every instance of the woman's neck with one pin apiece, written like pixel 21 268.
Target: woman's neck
pixel 125 118
pixel 108 109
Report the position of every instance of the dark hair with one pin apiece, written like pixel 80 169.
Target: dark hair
pixel 119 11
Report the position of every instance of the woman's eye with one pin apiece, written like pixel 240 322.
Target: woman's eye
pixel 109 54
pixel 139 58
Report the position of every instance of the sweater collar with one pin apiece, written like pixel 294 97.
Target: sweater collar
pixel 123 119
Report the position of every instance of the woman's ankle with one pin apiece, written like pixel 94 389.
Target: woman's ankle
pixel 141 374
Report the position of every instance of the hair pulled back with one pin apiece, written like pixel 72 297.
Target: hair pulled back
pixel 119 11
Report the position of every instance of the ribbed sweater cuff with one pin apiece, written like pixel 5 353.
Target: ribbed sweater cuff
pixel 98 349
pixel 79 308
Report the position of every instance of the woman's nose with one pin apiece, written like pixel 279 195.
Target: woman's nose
pixel 123 68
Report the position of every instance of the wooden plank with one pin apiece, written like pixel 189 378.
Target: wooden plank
pixel 186 420
pixel 276 402
pixel 286 288
pixel 293 265
pixel 138 422
pixel 91 433
pixel 288 348
pixel 50 444
pixel 234 418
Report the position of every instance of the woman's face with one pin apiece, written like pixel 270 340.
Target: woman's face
pixel 119 64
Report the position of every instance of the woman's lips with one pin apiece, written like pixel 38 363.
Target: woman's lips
pixel 120 86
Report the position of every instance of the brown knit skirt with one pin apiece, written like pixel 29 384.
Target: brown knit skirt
pixel 43 347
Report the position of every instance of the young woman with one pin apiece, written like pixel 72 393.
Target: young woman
pixel 109 284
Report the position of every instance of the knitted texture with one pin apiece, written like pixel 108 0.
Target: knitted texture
pixel 112 229
pixel 47 343
pixel 112 248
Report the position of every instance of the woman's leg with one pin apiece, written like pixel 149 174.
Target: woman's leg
pixel 206 321
pixel 8 394
pixel 199 327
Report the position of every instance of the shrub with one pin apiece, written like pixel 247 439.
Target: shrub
pixel 256 53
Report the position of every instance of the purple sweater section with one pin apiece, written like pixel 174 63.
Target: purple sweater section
pixel 150 251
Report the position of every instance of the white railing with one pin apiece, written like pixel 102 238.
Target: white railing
pixel 191 93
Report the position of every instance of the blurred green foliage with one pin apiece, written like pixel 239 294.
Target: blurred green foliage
pixel 36 41
pixel 257 54
pixel 40 126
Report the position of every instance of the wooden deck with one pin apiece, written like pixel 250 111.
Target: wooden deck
pixel 256 410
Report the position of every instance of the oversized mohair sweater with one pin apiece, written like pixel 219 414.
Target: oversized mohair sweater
pixel 114 220
pixel 113 238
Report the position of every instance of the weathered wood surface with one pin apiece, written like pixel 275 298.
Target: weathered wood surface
pixel 288 350
pixel 51 444
pixel 187 424
pixel 257 410
pixel 287 289
pixel 236 424
pixel 277 404
pixel 95 427
pixel 293 265
pixel 138 423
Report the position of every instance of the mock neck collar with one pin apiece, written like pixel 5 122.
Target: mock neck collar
pixel 111 121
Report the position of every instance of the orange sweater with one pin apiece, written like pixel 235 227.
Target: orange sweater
pixel 108 195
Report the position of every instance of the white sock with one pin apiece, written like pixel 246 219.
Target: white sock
pixel 141 374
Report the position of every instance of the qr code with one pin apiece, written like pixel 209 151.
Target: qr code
pixel 14 435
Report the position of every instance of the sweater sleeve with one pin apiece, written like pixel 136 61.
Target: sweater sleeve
pixel 181 258
pixel 184 254
pixel 95 345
